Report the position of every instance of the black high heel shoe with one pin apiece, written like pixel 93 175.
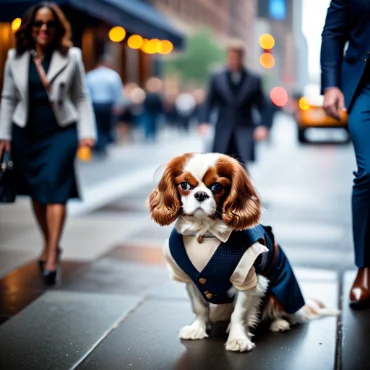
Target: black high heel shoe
pixel 51 277
pixel 41 264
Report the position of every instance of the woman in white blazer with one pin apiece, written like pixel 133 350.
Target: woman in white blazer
pixel 45 115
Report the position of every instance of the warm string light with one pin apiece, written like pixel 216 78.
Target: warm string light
pixel 135 42
pixel 152 46
pixel 16 24
pixel 117 34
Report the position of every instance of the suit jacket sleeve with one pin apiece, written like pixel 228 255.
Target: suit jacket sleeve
pixel 81 100
pixel 260 103
pixel 8 101
pixel 334 37
pixel 209 102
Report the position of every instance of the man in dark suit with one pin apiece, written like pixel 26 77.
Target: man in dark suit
pixel 346 85
pixel 234 92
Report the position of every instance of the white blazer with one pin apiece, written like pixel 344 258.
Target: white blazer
pixel 68 93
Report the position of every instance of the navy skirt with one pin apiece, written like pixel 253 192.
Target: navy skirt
pixel 44 164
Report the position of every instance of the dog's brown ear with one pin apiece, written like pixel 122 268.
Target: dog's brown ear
pixel 242 207
pixel 164 201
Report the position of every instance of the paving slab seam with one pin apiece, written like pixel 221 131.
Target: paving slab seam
pixel 338 345
pixel 115 326
pixel 108 332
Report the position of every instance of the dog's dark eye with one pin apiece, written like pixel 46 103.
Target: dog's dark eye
pixel 216 187
pixel 185 186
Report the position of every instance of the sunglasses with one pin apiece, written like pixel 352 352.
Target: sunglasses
pixel 48 24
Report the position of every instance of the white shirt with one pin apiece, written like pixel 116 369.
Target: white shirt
pixel 105 86
pixel 244 276
pixel 185 104
pixel 236 77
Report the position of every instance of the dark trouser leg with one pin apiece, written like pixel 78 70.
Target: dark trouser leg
pixel 150 125
pixel 103 115
pixel 359 128
pixel 232 151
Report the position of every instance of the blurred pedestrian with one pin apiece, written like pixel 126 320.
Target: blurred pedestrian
pixel 45 115
pixel 153 108
pixel 268 114
pixel 199 96
pixel 185 107
pixel 126 119
pixel 234 92
pixel 106 90
pixel 346 86
pixel 169 107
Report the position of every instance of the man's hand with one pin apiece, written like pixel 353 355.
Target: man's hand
pixel 4 145
pixel 87 143
pixel 204 129
pixel 261 133
pixel 334 102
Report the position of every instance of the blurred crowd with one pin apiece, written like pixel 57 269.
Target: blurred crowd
pixel 130 112
pixel 159 103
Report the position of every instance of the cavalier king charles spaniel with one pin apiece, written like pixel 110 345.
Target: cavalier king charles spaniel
pixel 232 266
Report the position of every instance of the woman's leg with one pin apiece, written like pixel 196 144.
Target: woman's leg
pixel 39 211
pixel 55 216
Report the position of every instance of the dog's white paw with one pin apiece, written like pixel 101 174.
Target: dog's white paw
pixel 193 332
pixel 240 345
pixel 279 325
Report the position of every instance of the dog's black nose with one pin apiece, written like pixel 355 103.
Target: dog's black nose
pixel 200 196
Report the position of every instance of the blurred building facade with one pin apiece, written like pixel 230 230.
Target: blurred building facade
pixel 247 20
pixel 92 22
pixel 225 18
pixel 283 20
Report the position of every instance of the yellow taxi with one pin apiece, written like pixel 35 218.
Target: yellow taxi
pixel 310 113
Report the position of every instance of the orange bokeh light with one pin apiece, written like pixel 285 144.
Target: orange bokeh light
pixel 304 104
pixel 164 47
pixel 150 46
pixel 267 41
pixel 16 24
pixel 117 34
pixel 267 60
pixel 135 42
pixel 279 96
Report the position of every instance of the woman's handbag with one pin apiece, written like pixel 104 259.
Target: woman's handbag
pixel 7 188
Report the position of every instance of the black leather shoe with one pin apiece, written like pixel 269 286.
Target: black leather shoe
pixel 360 291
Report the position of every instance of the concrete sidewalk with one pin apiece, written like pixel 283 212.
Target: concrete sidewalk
pixel 121 312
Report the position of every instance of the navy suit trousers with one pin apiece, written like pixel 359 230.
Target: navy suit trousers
pixel 359 128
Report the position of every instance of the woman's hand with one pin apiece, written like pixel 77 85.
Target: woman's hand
pixel 88 142
pixel 4 145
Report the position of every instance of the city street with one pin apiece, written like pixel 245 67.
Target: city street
pixel 305 190
pixel 115 304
